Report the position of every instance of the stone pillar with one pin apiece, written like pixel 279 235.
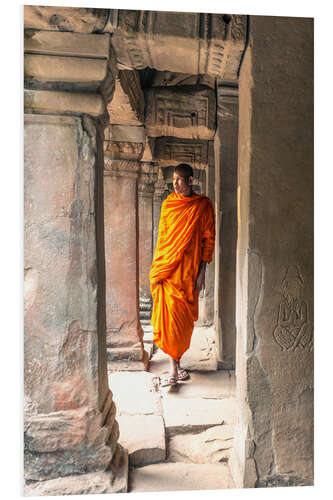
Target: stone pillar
pixel 70 442
pixel 225 146
pixel 273 443
pixel 121 170
pixel 145 209
pixel 206 302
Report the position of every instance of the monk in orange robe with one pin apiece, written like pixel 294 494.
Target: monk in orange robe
pixel 185 245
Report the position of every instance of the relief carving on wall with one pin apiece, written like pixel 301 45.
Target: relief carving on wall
pixel 293 330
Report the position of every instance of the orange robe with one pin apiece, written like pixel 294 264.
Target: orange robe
pixel 186 236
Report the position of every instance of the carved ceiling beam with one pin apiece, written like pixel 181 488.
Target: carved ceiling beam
pixel 182 42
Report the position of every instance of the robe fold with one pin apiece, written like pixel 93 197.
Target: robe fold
pixel 186 236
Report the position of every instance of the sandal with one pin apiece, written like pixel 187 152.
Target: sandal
pixel 182 374
pixel 168 381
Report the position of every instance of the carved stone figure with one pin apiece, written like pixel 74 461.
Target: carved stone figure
pixel 293 330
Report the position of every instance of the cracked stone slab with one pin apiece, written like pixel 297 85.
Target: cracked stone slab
pixel 133 393
pixel 211 446
pixel 143 437
pixel 196 414
pixel 181 476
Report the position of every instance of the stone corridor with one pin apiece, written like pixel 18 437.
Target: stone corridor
pixel 113 100
pixel 178 438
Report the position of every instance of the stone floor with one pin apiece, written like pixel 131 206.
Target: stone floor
pixel 178 438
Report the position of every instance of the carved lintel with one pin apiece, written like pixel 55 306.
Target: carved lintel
pixel 124 142
pixel 121 168
pixel 199 43
pixel 124 150
pixel 172 151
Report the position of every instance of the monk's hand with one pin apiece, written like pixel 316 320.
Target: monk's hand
pixel 200 283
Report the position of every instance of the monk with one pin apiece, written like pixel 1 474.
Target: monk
pixel 185 245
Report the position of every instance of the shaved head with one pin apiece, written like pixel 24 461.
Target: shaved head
pixel 184 170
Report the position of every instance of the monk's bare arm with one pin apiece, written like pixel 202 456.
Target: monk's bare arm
pixel 200 283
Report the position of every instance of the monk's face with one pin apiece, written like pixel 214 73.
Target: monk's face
pixel 182 185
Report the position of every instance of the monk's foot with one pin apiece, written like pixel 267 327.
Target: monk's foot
pixel 169 380
pixel 182 374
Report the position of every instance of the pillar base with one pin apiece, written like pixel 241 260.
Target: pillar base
pixel 114 480
pixel 127 359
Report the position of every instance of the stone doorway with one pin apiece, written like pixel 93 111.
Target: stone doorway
pixel 116 114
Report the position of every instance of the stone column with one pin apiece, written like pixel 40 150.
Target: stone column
pixel 121 170
pixel 159 190
pixel 145 209
pixel 70 442
pixel 273 443
pixel 225 146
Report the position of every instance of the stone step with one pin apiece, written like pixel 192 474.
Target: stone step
pixel 133 393
pixel 143 437
pixel 211 446
pixel 196 414
pixel 180 476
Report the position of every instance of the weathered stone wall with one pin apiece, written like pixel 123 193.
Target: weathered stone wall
pixel 274 366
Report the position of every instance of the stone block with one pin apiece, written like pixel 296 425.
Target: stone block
pixel 182 113
pixel 114 480
pixel 210 446
pixel 181 476
pixel 129 365
pixel 133 393
pixel 196 414
pixel 49 68
pixel 67 44
pixel 143 437
pixel 58 102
